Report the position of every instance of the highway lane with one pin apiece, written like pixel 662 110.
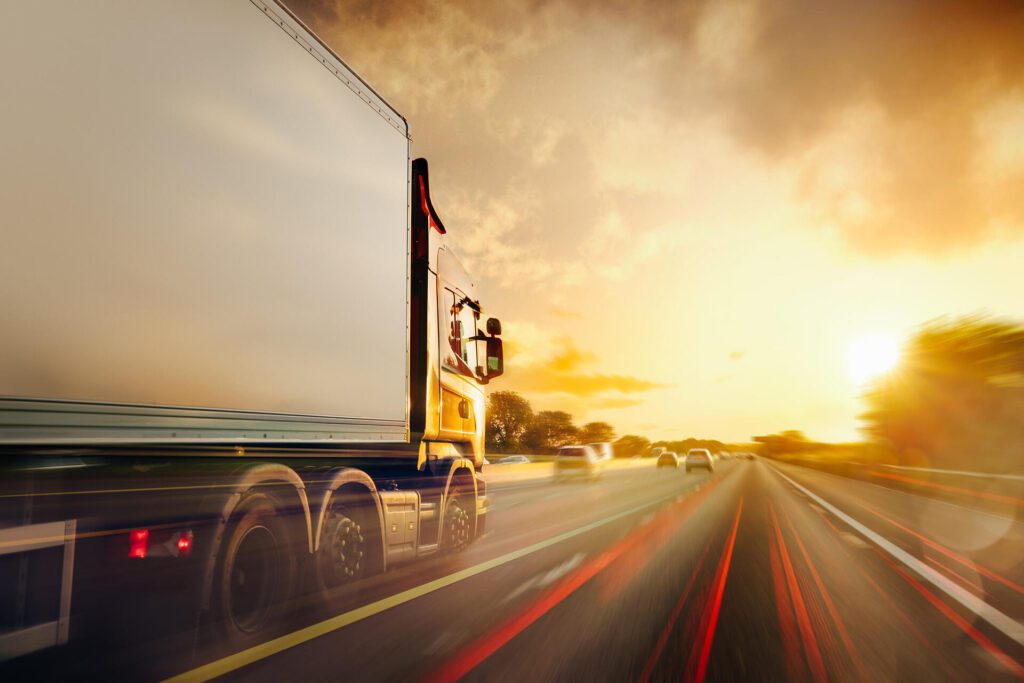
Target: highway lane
pixel 660 575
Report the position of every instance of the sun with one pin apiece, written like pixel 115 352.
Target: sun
pixel 871 356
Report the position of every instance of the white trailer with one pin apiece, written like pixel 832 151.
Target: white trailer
pixel 202 209
pixel 227 310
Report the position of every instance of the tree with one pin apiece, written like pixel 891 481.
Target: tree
pixel 789 442
pixel 630 445
pixel 957 395
pixel 596 432
pixel 550 430
pixel 509 415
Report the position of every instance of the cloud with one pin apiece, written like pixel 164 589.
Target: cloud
pixel 613 402
pixel 736 355
pixel 891 117
pixel 908 84
pixel 563 372
pixel 560 312
pixel 552 371
pixel 548 380
pixel 511 102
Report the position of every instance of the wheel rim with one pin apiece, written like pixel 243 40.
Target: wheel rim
pixel 457 526
pixel 252 578
pixel 342 556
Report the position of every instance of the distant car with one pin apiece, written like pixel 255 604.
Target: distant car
pixel 513 460
pixel 748 456
pixel 668 459
pixel 699 457
pixel 605 451
pixel 657 451
pixel 577 462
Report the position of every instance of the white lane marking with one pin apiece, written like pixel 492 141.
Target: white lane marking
pixel 253 654
pixel 930 499
pixel 547 578
pixel 1006 625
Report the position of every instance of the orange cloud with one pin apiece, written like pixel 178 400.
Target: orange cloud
pixel 612 402
pixel 563 373
pixel 881 109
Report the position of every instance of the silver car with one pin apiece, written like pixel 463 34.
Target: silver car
pixel 699 457
pixel 577 462
pixel 668 459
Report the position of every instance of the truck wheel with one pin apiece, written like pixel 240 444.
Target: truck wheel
pixel 342 554
pixel 457 524
pixel 257 570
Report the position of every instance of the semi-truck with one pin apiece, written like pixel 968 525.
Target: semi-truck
pixel 238 361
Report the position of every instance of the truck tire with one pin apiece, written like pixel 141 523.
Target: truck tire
pixel 342 557
pixel 257 568
pixel 457 531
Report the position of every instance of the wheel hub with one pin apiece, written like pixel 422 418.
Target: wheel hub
pixel 345 550
pixel 457 527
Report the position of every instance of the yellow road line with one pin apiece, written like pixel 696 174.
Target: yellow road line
pixel 254 654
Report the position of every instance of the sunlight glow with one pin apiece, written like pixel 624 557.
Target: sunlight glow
pixel 871 356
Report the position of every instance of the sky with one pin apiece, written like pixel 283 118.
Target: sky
pixel 685 213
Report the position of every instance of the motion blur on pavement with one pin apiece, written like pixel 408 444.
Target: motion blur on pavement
pixel 763 570
pixel 695 352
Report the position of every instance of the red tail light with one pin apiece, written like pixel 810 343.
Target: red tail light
pixel 139 539
pixel 184 544
pixel 158 543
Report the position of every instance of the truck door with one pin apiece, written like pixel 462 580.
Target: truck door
pixel 458 364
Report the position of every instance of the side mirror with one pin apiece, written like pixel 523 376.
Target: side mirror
pixel 495 354
pixel 493 327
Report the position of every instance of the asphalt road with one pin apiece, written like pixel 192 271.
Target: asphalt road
pixel 757 572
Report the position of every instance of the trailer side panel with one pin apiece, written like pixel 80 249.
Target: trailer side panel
pixel 204 232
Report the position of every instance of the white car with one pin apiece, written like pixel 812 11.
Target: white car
pixel 668 459
pixel 573 462
pixel 699 457
pixel 604 450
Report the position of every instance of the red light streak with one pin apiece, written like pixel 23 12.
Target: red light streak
pixel 803 622
pixel 670 625
pixel 709 621
pixel 844 635
pixel 946 551
pixel 965 626
pixel 478 651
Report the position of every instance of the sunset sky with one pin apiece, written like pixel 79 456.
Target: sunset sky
pixel 684 213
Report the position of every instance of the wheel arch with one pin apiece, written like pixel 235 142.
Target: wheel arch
pixel 461 475
pixel 358 482
pixel 245 480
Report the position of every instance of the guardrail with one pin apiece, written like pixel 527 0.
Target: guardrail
pixel 1004 492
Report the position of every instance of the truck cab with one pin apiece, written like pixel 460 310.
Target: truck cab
pixel 464 348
